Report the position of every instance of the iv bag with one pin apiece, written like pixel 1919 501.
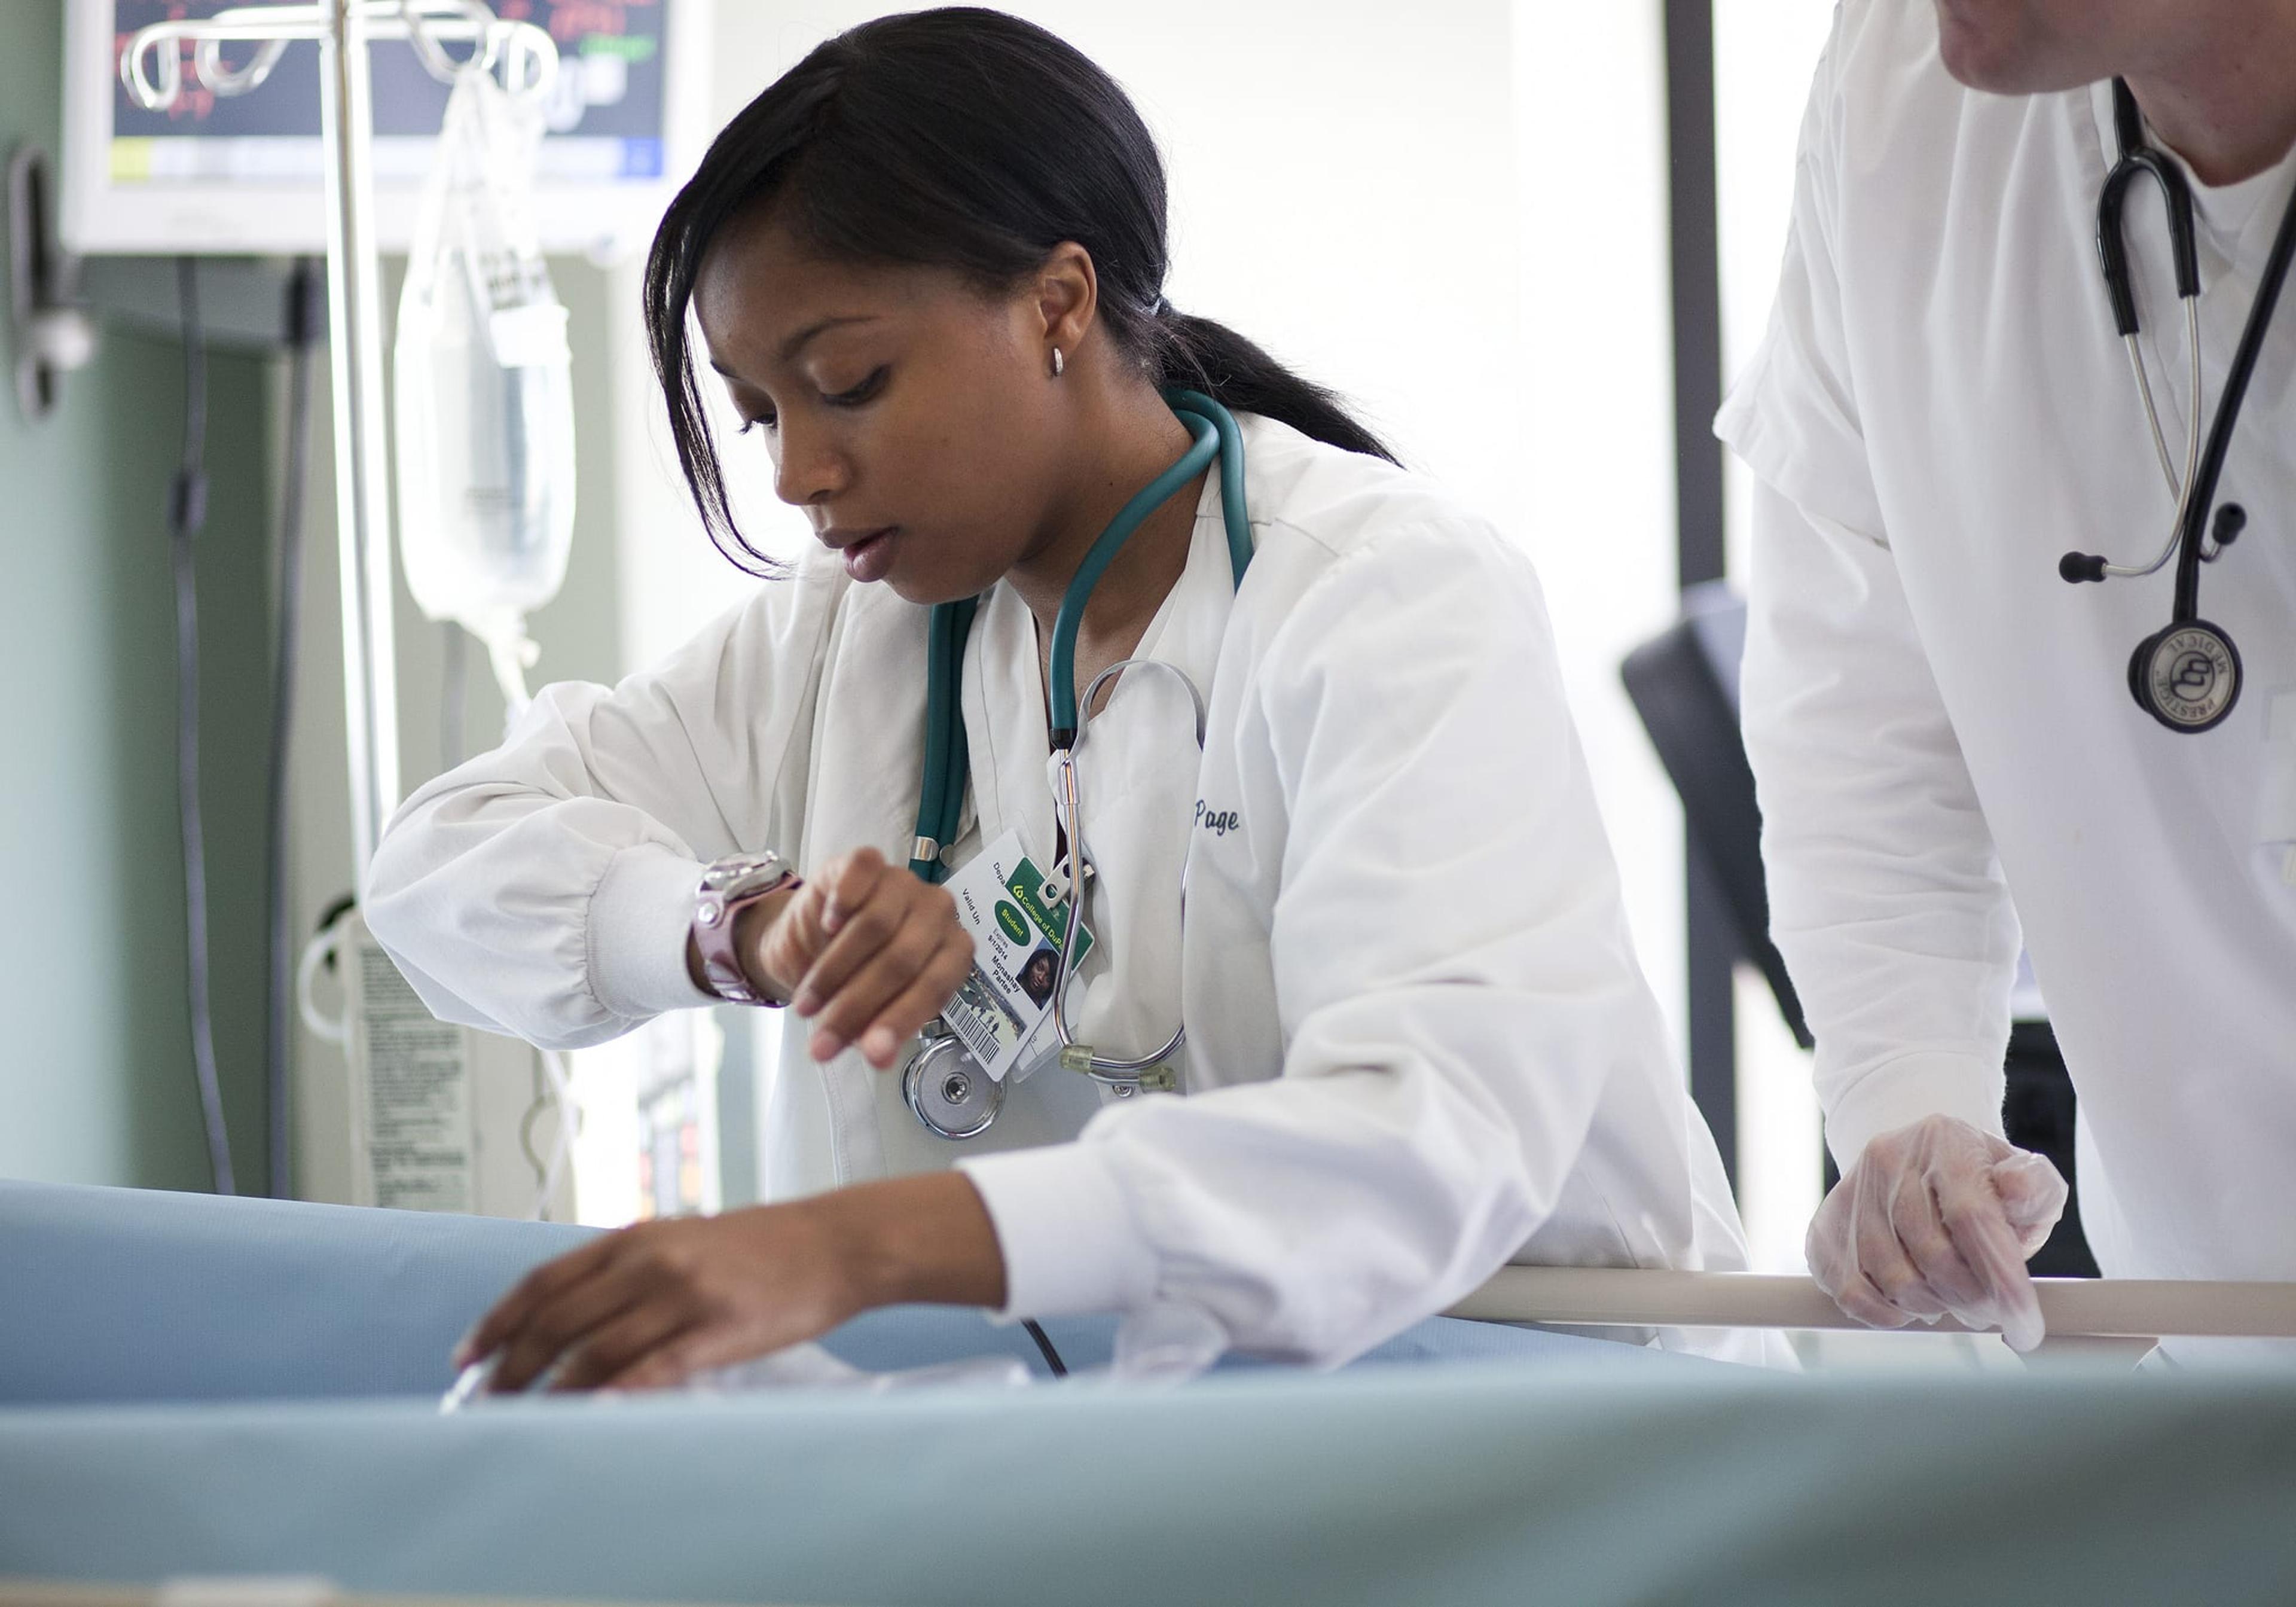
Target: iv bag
pixel 485 402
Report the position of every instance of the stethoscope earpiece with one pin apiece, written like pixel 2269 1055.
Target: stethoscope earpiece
pixel 2231 519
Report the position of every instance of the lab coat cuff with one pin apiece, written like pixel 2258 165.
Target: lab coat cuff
pixel 1070 1246
pixel 639 921
pixel 1900 1092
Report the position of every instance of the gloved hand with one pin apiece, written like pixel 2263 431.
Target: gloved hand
pixel 1935 1219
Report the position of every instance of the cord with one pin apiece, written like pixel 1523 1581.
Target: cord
pixel 303 315
pixel 187 512
pixel 554 1091
pixel 1045 1344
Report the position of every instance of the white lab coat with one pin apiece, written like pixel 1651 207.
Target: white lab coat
pixel 1418 1042
pixel 1941 409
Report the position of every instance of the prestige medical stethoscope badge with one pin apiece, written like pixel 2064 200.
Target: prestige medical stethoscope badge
pixel 2186 675
pixel 946 1085
pixel 2190 675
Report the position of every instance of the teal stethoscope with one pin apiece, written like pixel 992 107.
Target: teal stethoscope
pixel 944 1086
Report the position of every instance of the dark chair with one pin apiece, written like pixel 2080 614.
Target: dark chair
pixel 1683 684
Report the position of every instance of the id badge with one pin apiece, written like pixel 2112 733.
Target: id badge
pixel 1002 1012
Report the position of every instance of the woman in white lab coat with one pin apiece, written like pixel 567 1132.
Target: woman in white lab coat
pixel 926 265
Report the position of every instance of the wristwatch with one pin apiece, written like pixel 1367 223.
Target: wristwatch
pixel 729 887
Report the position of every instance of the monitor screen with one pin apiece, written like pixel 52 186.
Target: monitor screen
pixel 244 173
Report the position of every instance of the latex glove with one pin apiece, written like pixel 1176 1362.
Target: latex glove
pixel 1938 1219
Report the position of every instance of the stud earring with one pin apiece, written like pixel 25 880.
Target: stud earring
pixel 1058 363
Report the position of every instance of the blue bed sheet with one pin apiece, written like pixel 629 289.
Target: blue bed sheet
pixel 1482 1482
pixel 195 1387
pixel 123 1294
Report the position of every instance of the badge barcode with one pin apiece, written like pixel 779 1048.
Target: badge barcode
pixel 973 1033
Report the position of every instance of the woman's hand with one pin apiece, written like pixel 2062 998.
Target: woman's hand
pixel 649 1306
pixel 867 951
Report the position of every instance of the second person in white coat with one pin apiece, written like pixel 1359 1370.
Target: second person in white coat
pixel 926 265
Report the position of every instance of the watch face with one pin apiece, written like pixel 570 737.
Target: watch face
pixel 739 875
pixel 727 887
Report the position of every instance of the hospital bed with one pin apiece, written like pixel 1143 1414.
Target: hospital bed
pixel 192 1388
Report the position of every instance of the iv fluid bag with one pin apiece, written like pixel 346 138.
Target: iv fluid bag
pixel 484 401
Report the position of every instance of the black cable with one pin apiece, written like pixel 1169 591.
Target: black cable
pixel 187 512
pixel 1044 1344
pixel 304 311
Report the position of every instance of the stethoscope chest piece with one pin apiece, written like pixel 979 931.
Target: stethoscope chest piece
pixel 2186 676
pixel 949 1092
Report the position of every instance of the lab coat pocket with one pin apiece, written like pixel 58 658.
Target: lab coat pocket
pixel 2275 797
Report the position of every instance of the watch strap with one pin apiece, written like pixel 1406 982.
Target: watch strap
pixel 728 887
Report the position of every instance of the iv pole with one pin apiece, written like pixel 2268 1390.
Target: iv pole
pixel 343 30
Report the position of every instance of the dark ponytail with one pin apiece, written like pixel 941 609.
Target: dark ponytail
pixel 962 139
pixel 1201 355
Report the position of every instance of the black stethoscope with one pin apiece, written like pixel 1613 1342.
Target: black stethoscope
pixel 2187 675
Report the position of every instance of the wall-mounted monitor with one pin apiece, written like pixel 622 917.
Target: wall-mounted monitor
pixel 243 174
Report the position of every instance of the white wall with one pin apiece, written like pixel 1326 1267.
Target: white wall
pixel 1347 207
pixel 1764 52
pixel 1596 463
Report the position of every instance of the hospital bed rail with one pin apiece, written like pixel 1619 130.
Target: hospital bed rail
pixel 1595 1297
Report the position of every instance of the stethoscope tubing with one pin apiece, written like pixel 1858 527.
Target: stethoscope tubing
pixel 2180 485
pixel 1213 433
pixel 2140 159
pixel 1202 445
pixel 1114 1070
pixel 947 757
pixel 2202 498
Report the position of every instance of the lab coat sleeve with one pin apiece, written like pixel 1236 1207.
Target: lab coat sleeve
pixel 1886 898
pixel 545 889
pixel 1453 976
pixel 1793 413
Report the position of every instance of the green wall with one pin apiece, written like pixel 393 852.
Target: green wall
pixel 96 1083
pixel 96 1067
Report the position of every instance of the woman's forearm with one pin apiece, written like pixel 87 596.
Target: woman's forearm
pixel 926 1238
